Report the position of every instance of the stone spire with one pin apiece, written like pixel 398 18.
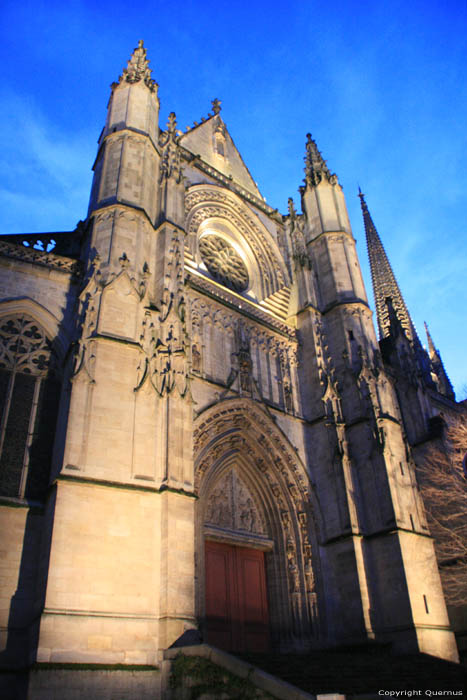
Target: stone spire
pixel 385 286
pixel 138 69
pixel 315 165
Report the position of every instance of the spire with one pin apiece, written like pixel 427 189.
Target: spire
pixel 138 68
pixel 384 282
pixel 315 165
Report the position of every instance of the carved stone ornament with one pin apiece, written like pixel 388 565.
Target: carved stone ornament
pixel 223 262
pixel 315 166
pixel 300 253
pixel 216 105
pixel 24 346
pixel 231 506
pixel 164 340
pixel 170 163
pixel 138 68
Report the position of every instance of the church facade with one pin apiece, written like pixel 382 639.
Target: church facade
pixel 199 427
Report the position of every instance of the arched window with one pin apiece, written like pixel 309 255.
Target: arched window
pixel 29 395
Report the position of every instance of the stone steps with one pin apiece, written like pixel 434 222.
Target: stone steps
pixel 363 672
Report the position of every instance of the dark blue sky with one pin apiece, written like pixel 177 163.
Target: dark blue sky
pixel 381 86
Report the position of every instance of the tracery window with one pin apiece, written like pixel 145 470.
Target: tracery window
pixel 223 262
pixel 29 394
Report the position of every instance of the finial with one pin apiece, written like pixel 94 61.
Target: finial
pixel 216 105
pixel 363 204
pixel 172 123
pixel 291 207
pixel 138 68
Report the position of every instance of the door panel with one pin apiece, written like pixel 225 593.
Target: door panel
pixel 236 602
pixel 219 595
pixel 253 602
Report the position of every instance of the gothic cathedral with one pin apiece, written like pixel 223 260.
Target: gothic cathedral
pixel 199 428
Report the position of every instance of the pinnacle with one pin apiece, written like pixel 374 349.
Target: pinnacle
pixel 138 68
pixel 315 165
pixel 431 346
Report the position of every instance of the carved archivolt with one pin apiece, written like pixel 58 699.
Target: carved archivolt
pixel 209 202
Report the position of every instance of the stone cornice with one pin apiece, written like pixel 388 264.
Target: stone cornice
pixel 118 133
pixel 346 302
pixel 90 481
pixel 346 234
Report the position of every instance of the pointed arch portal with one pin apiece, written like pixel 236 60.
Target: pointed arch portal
pixel 257 563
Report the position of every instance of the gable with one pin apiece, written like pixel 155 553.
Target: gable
pixel 212 142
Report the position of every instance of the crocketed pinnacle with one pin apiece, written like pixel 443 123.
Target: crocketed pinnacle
pixel 138 68
pixel 431 346
pixel 315 165
pixel 385 286
pixel 444 385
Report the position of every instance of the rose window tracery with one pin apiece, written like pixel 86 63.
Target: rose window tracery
pixel 224 263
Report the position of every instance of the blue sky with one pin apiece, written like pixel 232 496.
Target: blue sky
pixel 381 86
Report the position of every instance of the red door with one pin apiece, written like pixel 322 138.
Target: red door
pixel 236 604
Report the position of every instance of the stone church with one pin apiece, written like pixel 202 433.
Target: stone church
pixel 199 428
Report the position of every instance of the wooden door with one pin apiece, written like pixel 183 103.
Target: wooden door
pixel 236 602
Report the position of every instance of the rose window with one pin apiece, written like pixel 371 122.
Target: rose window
pixel 224 263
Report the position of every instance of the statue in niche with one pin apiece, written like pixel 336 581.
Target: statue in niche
pixel 245 364
pixel 195 359
pixel 288 395
pixel 248 516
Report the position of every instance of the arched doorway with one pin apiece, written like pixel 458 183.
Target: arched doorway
pixel 235 544
pixel 257 561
